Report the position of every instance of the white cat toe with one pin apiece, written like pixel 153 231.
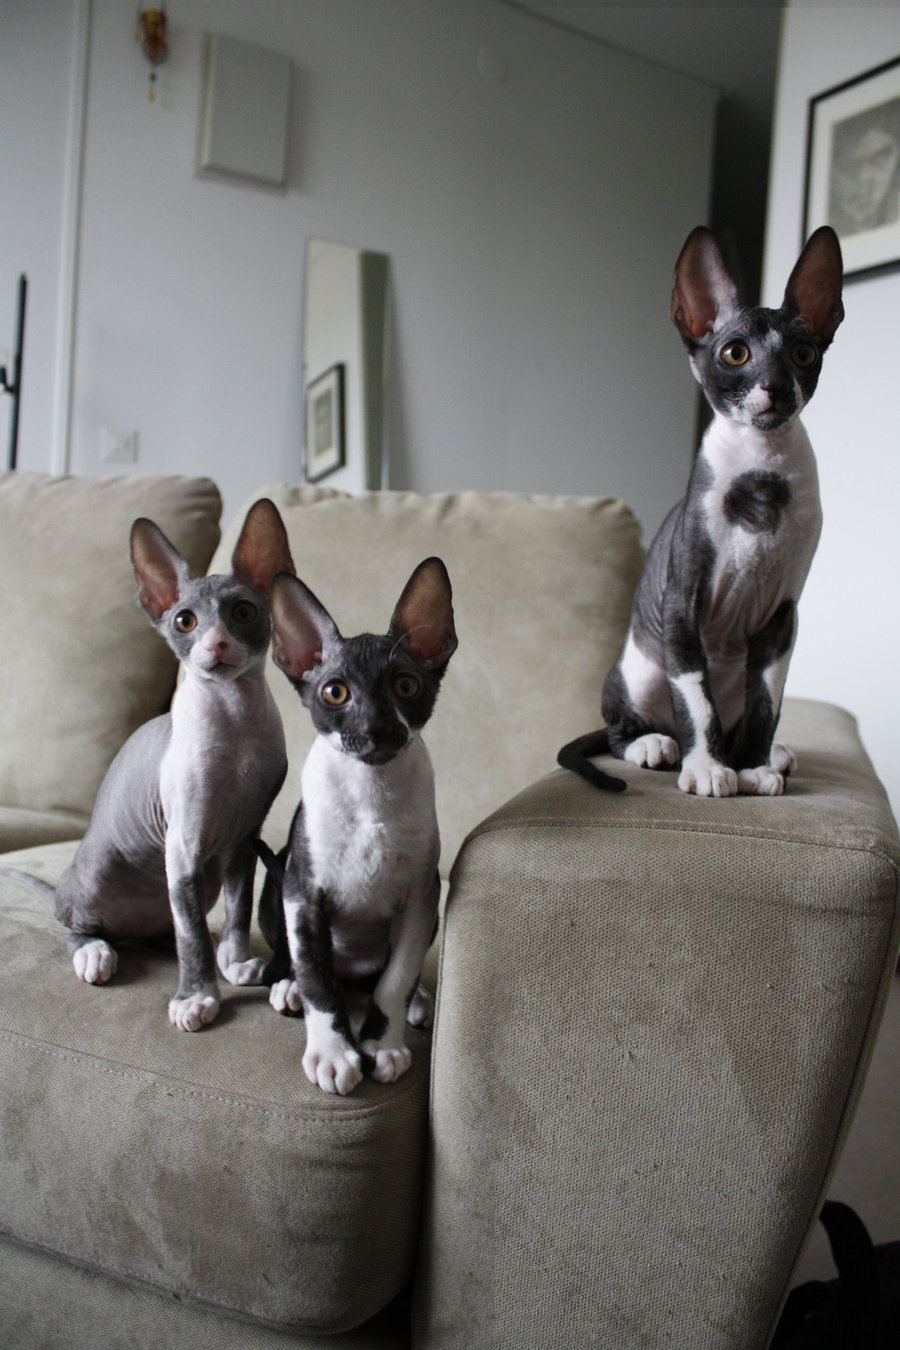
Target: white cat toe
pixel 708 780
pixel 782 758
pixel 284 996
pixel 194 1012
pixel 337 1071
pixel 244 972
pixel 421 1009
pixel 761 782
pixel 95 962
pixel 653 751
pixel 390 1064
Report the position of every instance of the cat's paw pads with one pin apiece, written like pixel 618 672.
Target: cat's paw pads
pixel 708 779
pixel 761 782
pixel 243 972
pixel 284 996
pixel 653 751
pixel 95 962
pixel 782 758
pixel 194 1012
pixel 336 1068
pixel 421 1009
pixel 390 1063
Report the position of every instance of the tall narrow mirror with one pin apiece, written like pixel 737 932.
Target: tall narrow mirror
pixel 345 356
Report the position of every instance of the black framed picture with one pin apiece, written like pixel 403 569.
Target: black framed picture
pixel 853 168
pixel 325 424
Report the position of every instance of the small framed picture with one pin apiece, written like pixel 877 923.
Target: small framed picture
pixel 325 424
pixel 853 168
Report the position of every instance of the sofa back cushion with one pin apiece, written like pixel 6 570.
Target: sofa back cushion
pixel 542 589
pixel 82 665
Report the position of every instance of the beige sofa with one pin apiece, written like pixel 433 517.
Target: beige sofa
pixel 655 1012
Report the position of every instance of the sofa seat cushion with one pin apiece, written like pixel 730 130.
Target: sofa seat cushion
pixel 635 1151
pixel 86 666
pixel 542 591
pixel 204 1165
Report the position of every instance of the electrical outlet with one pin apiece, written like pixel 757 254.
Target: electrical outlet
pixel 116 449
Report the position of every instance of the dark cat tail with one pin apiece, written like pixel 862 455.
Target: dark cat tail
pixel 576 757
pixel 34 883
pixel 272 862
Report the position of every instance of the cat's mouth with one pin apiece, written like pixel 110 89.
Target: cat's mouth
pixel 374 754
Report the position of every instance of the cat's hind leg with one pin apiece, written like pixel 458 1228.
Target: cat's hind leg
pixel 653 751
pixel 95 961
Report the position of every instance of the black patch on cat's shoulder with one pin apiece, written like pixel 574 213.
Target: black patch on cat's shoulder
pixel 757 500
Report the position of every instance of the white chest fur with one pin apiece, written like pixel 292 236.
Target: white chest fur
pixel 371 831
pixel 756 569
pixel 225 758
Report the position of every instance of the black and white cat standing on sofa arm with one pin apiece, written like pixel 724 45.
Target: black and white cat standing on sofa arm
pixel 700 677
pixel 354 894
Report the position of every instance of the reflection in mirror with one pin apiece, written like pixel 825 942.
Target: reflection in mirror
pixel 345 357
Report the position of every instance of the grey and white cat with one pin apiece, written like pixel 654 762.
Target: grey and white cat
pixel 180 807
pixel 354 894
pixel 700 677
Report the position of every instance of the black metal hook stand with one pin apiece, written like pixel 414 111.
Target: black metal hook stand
pixel 14 386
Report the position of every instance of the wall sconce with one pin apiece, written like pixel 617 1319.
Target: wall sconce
pixel 151 33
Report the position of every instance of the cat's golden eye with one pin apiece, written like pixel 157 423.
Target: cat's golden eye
pixel 804 354
pixel 185 621
pixel 335 693
pixel 735 353
pixel 406 686
pixel 244 612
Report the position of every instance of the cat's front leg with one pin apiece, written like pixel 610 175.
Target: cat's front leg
pixel 703 771
pixel 330 1060
pixel 397 995
pixel 233 953
pixel 763 763
pixel 197 1000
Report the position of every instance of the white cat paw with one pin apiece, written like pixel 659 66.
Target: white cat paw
pixel 390 1063
pixel 284 996
pixel 653 751
pixel 194 1012
pixel 243 972
pixel 335 1068
pixel 761 782
pixel 705 778
pixel 782 758
pixel 95 962
pixel 421 1009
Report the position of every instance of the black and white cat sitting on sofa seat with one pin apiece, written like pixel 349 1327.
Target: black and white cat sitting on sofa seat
pixel 702 670
pixel 353 897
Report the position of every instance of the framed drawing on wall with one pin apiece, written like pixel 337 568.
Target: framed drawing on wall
pixel 325 424
pixel 853 168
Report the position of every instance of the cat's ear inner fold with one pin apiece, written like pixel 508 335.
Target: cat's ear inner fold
pixel 703 286
pixel 424 614
pixel 159 569
pixel 813 291
pixel 262 550
pixel 302 628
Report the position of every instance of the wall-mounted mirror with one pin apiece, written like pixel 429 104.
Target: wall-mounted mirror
pixel 345 355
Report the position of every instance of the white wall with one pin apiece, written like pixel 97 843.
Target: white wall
pixel 848 650
pixel 532 215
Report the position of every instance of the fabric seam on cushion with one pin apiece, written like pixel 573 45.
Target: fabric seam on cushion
pixel 273 1109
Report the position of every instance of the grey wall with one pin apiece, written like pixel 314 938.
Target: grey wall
pixel 531 188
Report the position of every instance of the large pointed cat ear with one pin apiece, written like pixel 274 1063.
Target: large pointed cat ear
pixel 813 291
pixel 703 286
pixel 302 628
pixel 424 614
pixel 262 549
pixel 159 569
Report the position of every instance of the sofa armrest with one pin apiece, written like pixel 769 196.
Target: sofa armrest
pixel 655 1017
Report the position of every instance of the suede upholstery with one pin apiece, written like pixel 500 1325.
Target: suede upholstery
pixel 655 1014
pixel 85 667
